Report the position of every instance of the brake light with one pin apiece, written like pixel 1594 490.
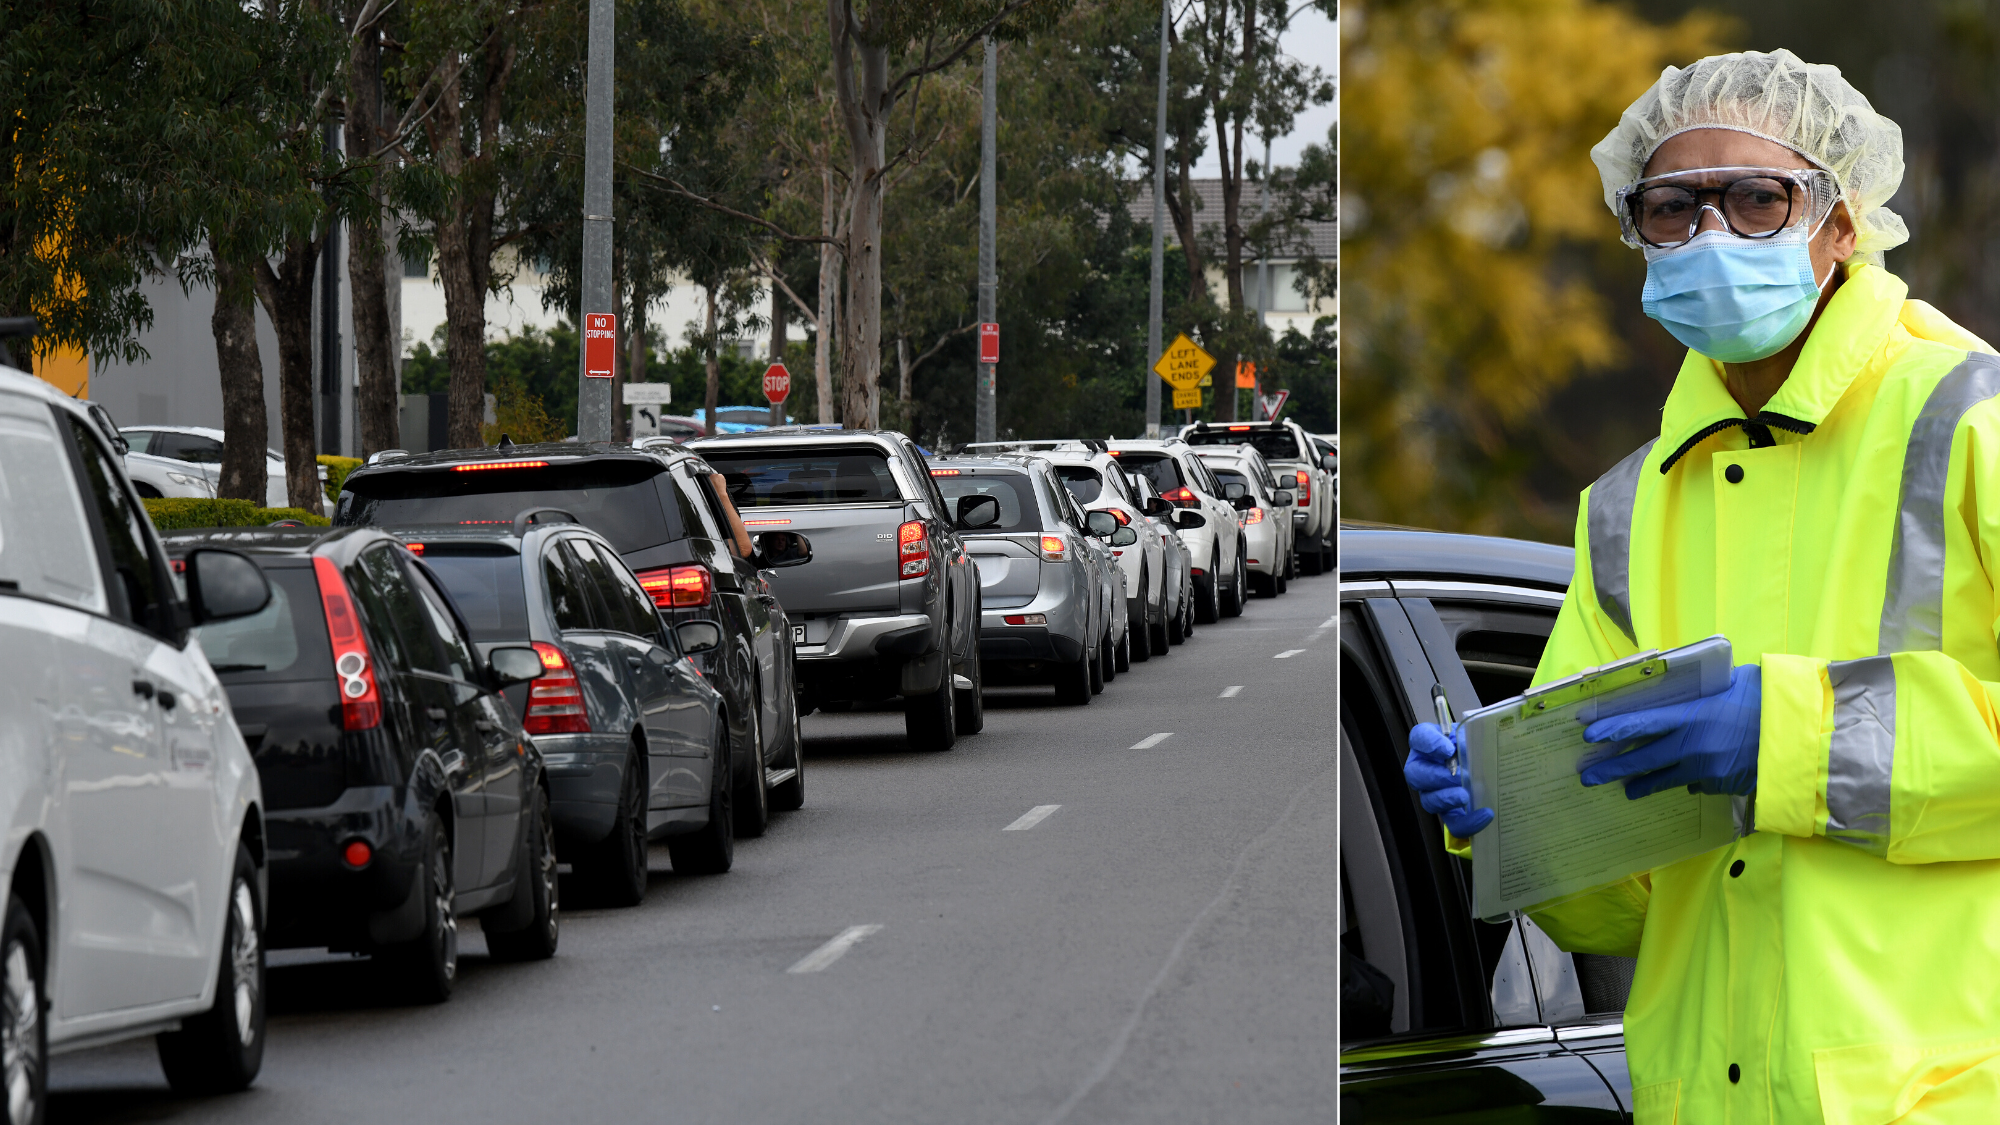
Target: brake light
pixel 416 549
pixel 1026 619
pixel 1305 487
pixel 678 587
pixel 944 472
pixel 765 523
pixel 1054 548
pixel 1238 429
pixel 1182 496
pixel 913 549
pixel 555 701
pixel 482 466
pixel 1254 515
pixel 360 703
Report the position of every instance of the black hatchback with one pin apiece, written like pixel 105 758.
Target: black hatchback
pixel 401 792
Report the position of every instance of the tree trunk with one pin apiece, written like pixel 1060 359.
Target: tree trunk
pixel 635 363
pixel 864 101
pixel 713 367
pixel 1184 228
pixel 246 428
pixel 828 280
pixel 777 343
pixel 621 421
pixel 1229 153
pixel 465 236
pixel 286 292
pixel 367 259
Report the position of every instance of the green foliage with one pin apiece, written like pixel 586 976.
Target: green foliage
pixel 175 514
pixel 337 469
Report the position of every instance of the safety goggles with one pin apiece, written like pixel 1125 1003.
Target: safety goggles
pixel 1665 211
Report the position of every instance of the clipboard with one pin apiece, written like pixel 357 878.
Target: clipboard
pixel 1552 838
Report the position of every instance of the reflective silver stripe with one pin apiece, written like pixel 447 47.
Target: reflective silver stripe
pixel 1610 528
pixel 1913 603
pixel 1863 752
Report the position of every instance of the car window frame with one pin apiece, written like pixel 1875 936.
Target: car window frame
pixel 80 435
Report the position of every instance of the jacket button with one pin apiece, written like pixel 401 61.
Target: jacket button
pixel 1736 869
pixel 1735 1074
pixel 1733 474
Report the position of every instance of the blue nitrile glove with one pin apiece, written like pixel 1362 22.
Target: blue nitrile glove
pixel 1428 770
pixel 1708 745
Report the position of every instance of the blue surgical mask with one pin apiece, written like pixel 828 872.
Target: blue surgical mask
pixel 1734 299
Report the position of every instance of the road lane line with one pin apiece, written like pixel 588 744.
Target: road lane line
pixel 833 950
pixel 1152 740
pixel 1288 654
pixel 1031 818
pixel 1330 622
pixel 1231 692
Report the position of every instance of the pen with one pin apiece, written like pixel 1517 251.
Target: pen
pixel 1444 719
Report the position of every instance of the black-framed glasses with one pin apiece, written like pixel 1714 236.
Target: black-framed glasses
pixel 1666 211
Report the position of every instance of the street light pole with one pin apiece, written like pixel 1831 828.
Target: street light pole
pixel 985 425
pixel 1153 299
pixel 593 398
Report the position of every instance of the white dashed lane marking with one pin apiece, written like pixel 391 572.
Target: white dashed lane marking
pixel 833 950
pixel 1288 654
pixel 1031 818
pixel 1152 740
pixel 1231 692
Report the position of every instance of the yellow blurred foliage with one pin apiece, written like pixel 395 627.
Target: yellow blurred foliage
pixel 1470 216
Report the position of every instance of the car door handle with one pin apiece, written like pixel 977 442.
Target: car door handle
pixel 453 762
pixel 436 714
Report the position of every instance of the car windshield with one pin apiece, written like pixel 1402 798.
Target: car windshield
pixel 620 499
pixel 485 580
pixel 1016 493
pixel 286 640
pixel 1083 482
pixel 1155 467
pixel 1278 445
pixel 791 478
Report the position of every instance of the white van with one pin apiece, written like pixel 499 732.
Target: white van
pixel 133 846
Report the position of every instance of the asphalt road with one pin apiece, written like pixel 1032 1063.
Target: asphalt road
pixel 1161 947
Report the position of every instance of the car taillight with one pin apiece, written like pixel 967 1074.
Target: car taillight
pixel 1305 487
pixel 482 466
pixel 555 701
pixel 1182 496
pixel 678 587
pixel 913 549
pixel 1054 549
pixel 416 549
pixel 1254 515
pixel 360 703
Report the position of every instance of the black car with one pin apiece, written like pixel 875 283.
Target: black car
pixel 1445 1017
pixel 400 790
pixel 632 738
pixel 668 515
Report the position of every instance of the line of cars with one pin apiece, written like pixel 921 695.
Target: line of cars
pixel 502 675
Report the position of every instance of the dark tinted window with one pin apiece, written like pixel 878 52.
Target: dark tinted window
pixel 568 597
pixel 186 447
pixel 794 477
pixel 629 605
pixel 285 641
pixel 1156 467
pixel 1276 445
pixel 1228 477
pixel 139 594
pixel 486 584
pixel 1016 493
pixel 620 499
pixel 606 600
pixel 458 662
pixel 391 609
pixel 1083 482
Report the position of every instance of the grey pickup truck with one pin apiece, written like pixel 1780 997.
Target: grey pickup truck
pixel 889 605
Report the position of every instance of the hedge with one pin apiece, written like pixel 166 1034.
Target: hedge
pixel 337 469
pixel 175 513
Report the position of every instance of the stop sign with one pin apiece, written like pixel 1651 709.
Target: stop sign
pixel 777 382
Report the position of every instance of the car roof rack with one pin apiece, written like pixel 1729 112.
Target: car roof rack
pixel 530 516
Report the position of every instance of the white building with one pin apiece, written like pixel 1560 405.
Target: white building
pixel 1287 307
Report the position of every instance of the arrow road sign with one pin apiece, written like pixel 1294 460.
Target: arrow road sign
pixel 1183 365
pixel 777 382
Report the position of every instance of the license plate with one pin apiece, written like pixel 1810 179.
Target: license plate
pixel 798 634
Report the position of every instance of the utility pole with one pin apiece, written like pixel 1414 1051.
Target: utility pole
pixel 1153 299
pixel 985 425
pixel 593 398
pixel 1263 276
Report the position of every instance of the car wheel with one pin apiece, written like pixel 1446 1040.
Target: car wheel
pixel 535 883
pixel 790 796
pixel 711 850
pixel 972 702
pixel 1233 594
pixel 1142 641
pixel 220 1050
pixel 426 967
pixel 613 872
pixel 836 706
pixel 24 1032
pixel 1098 661
pixel 1204 600
pixel 753 801
pixel 1073 679
pixel 1309 562
pixel 930 721
pixel 1279 584
pixel 1326 560
pixel 1122 656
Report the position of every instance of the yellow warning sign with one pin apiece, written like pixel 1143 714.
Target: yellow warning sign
pixel 1184 365
pixel 1187 398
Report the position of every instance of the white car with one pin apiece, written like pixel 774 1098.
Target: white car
pixel 187 461
pixel 134 843
pixel 1289 450
pixel 1207 523
pixel 1263 507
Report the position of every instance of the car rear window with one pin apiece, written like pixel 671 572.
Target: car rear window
pixel 286 640
pixel 1276 445
pixel 1083 482
pixel 1231 476
pixel 620 499
pixel 1015 491
pixel 485 582
pixel 790 478
pixel 1158 468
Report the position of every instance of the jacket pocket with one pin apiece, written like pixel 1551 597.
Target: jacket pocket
pixel 1880 1083
pixel 1657 1103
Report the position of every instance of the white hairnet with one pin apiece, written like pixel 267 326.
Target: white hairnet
pixel 1807 107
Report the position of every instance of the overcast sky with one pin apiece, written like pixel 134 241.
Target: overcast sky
pixel 1313 40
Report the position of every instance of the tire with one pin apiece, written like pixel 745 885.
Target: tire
pixel 1204 600
pixel 221 1050
pixel 1279 584
pixel 1263 585
pixel 1176 626
pixel 425 968
pixel 1073 681
pixel 972 704
pixel 613 872
pixel 1327 565
pixel 791 796
pixel 836 706
pixel 930 721
pixel 536 879
pixel 1233 595
pixel 752 809
pixel 1141 641
pixel 1122 655
pixel 24 1009
pixel 1309 563
pixel 1099 660
pixel 712 849
pixel 1160 634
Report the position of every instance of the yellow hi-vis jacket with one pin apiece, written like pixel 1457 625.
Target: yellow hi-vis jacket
pixel 1841 962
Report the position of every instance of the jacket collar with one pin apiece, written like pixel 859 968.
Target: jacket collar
pixel 1853 327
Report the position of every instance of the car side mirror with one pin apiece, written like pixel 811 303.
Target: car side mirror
pixel 1101 524
pixel 1157 506
pixel 1190 519
pixel 777 549
pixel 697 637
pixel 1124 537
pixel 514 664
pixel 222 585
pixel 1329 464
pixel 1234 492
pixel 1242 502
pixel 976 512
pixel 1283 499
